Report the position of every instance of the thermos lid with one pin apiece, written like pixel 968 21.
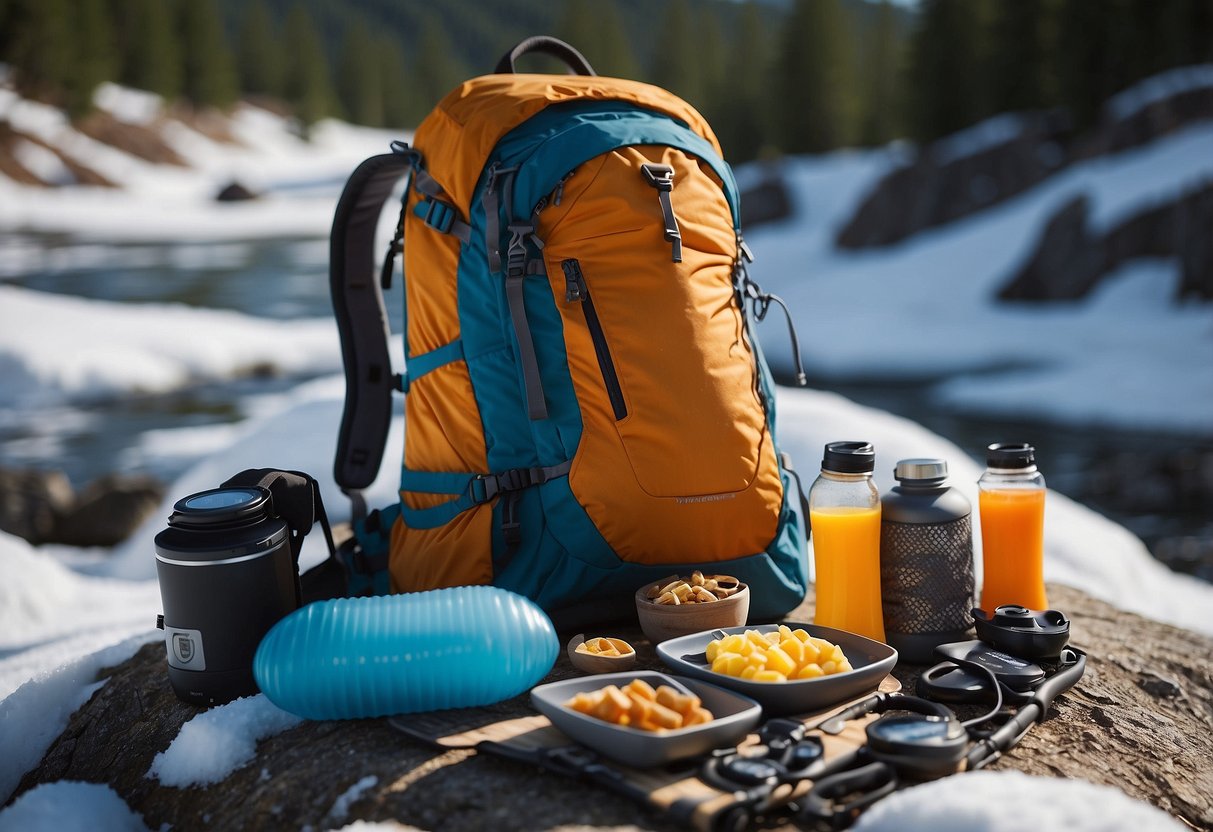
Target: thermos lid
pixel 220 505
pixel 1010 455
pixel 926 471
pixel 849 457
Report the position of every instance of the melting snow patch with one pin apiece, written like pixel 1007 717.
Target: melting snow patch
pixel 217 742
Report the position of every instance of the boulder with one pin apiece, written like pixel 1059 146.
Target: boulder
pixel 108 510
pixel 1141 719
pixel 235 192
pixel 766 200
pixel 940 184
pixel 41 507
pixel 32 501
pixel 1068 260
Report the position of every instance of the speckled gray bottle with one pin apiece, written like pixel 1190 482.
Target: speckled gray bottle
pixel 926 560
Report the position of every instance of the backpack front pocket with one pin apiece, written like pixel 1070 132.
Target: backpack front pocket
pixel 577 291
pixel 672 425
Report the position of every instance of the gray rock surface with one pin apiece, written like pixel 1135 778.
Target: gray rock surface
pixel 1140 720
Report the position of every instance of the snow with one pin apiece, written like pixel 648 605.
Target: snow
pixel 70 806
pixel 1176 81
pixel 341 807
pixel 54 347
pixel 1126 357
pixel 982 136
pixel 1010 801
pixel 37 712
pixel 300 179
pixel 217 742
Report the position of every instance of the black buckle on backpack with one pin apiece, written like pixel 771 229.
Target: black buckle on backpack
pixel 516 256
pixel 660 177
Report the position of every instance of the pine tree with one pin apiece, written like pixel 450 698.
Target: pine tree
pixel 437 70
pixel 308 86
pixel 260 55
pixel 676 62
pixel 1019 71
pixel 710 58
pixel 96 55
pixel 882 71
pixel 395 84
pixel 946 69
pixel 739 113
pixel 210 76
pixel 594 28
pixel 150 47
pixel 1087 60
pixel 359 82
pixel 814 89
pixel 39 46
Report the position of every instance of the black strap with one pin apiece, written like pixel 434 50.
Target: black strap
pixel 296 499
pixel 361 318
pixel 546 45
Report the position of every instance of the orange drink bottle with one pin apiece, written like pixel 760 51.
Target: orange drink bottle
pixel 844 515
pixel 1011 500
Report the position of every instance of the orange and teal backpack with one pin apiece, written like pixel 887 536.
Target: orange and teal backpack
pixel 586 407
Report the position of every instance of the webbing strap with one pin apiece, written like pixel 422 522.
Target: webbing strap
pixel 443 217
pixel 469 490
pixel 362 322
pixel 517 268
pixel 427 362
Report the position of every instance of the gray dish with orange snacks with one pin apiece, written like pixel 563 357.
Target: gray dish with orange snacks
pixel 733 716
pixel 871 662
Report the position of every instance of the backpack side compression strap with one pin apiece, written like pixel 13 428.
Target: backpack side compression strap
pixel 362 320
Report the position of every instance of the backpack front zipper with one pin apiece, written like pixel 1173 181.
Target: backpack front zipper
pixel 576 291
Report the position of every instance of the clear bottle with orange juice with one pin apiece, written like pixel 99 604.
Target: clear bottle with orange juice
pixel 844 514
pixel 1011 499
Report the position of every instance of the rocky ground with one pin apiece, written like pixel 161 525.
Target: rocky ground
pixel 1141 720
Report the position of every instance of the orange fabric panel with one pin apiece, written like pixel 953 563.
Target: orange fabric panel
pixel 456 554
pixel 443 431
pixel 690 467
pixel 458 136
pixel 431 260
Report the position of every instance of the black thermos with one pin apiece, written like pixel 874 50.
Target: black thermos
pixel 226 576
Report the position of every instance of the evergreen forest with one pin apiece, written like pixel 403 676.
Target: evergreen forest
pixel 772 76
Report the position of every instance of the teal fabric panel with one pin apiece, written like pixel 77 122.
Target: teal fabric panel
pixel 559 138
pixel 427 362
pixel 435 482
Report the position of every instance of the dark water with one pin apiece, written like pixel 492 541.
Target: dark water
pixel 1160 486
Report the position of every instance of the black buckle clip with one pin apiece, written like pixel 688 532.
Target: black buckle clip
pixel 660 177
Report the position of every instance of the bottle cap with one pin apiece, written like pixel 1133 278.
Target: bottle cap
pixel 849 457
pixel 1010 455
pixel 925 471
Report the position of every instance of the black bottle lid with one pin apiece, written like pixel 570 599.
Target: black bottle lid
pixel 849 458
pixel 1010 455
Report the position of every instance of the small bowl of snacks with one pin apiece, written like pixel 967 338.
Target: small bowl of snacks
pixel 677 606
pixel 646 718
pixel 601 654
pixel 789 668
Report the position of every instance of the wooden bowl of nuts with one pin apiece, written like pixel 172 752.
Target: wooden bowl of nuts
pixel 602 654
pixel 678 606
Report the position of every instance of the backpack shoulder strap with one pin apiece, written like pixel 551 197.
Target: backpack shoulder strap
pixel 361 317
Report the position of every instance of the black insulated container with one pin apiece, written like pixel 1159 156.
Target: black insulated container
pixel 926 560
pixel 226 576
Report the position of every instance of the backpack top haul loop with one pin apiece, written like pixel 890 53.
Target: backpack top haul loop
pixel 547 45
